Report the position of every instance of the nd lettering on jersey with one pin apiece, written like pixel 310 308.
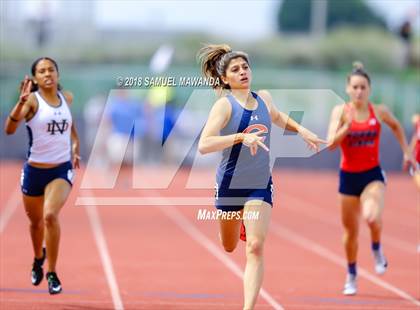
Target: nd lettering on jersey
pixel 60 127
pixel 255 128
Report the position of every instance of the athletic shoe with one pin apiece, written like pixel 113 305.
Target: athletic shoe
pixel 350 287
pixel 242 235
pixel 380 262
pixel 54 284
pixel 37 273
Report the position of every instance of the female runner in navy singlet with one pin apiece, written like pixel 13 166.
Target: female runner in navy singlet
pixel 47 176
pixel 241 117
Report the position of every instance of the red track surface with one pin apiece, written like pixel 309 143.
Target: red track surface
pixel 162 257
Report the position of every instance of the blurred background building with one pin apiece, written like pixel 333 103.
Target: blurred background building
pixel 292 45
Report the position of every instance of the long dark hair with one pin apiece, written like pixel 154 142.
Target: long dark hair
pixel 358 69
pixel 215 59
pixel 33 71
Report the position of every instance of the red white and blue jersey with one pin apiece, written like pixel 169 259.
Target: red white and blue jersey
pixel 417 147
pixel 238 168
pixel 360 148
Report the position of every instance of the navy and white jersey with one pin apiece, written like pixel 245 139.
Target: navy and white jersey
pixel 49 132
pixel 238 168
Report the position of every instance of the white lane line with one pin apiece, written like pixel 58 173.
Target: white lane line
pixel 100 241
pixel 9 209
pixel 312 210
pixel 144 201
pixel 215 250
pixel 318 249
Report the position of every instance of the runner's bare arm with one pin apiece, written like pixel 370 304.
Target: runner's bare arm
pixel 21 109
pixel 210 139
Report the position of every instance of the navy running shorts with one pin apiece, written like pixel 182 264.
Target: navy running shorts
pixel 235 199
pixel 34 180
pixel 353 183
